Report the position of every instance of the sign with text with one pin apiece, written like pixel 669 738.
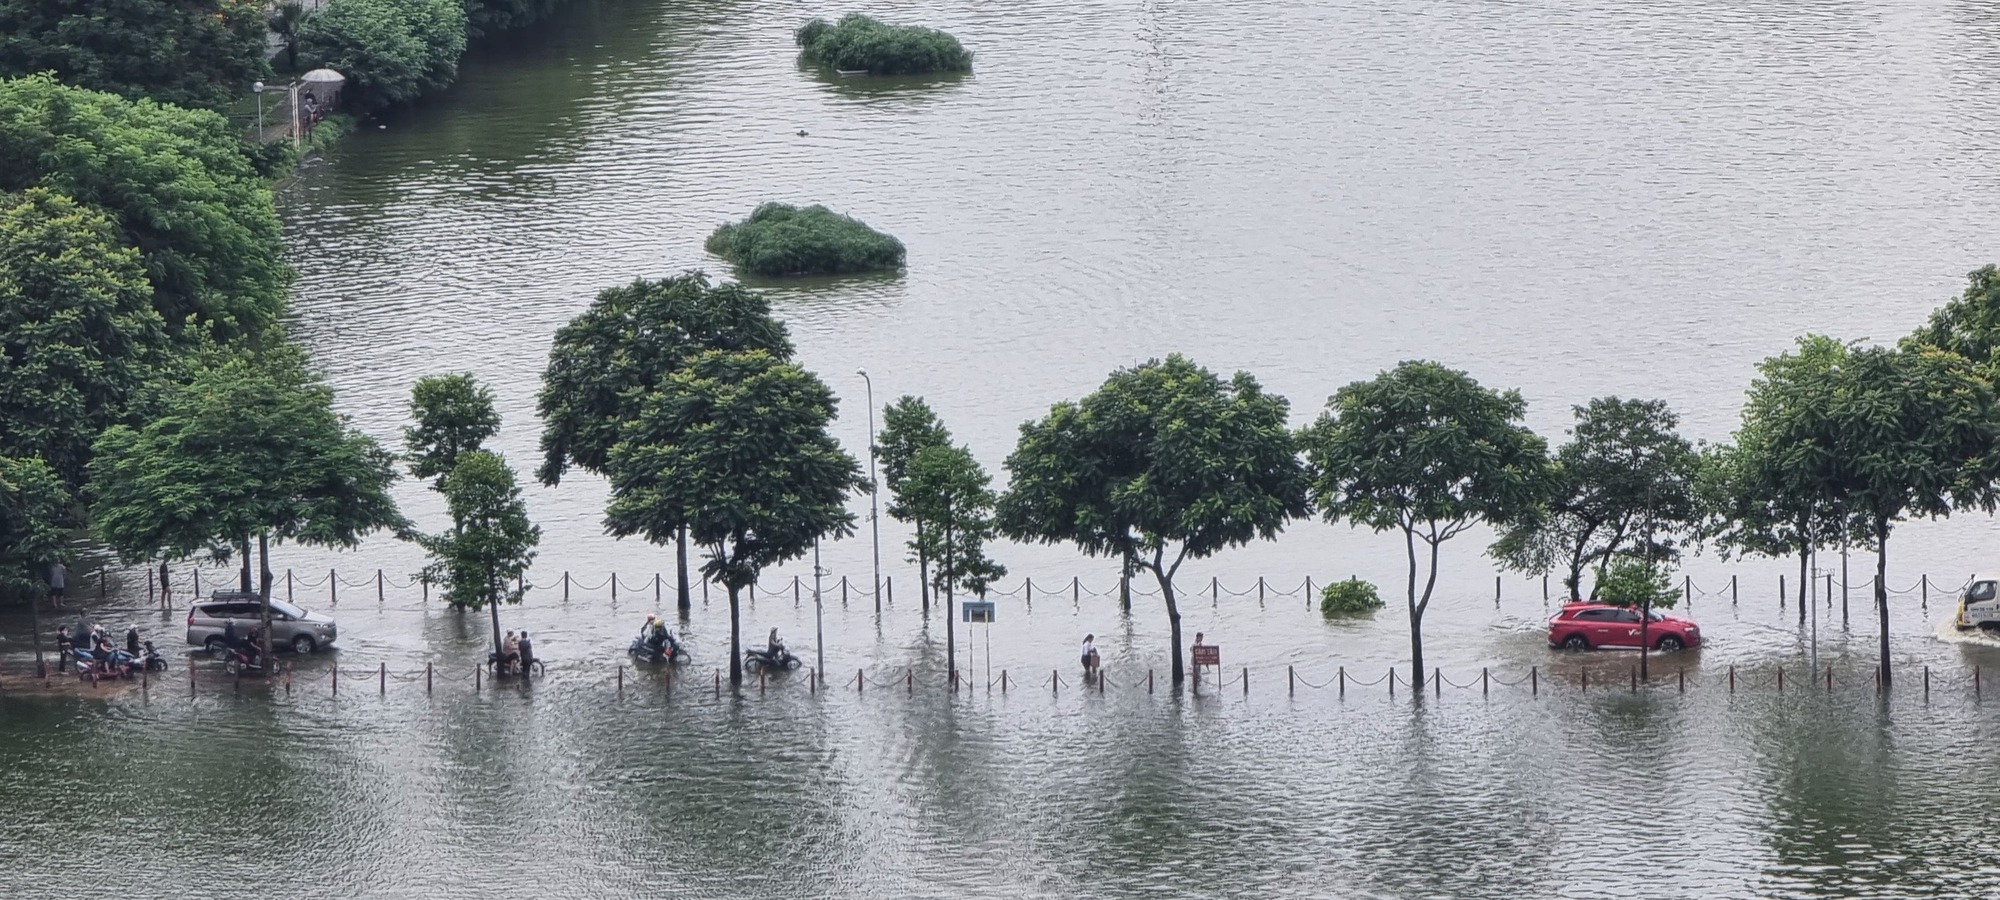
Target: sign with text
pixel 1207 655
pixel 977 611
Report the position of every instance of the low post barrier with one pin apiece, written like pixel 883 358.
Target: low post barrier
pixel 383 674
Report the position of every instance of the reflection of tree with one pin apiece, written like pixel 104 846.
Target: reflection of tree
pixel 1843 819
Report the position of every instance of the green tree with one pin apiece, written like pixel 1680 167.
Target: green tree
pixel 1425 450
pixel 1968 325
pixel 394 51
pixel 625 345
pixel 33 505
pixel 1624 481
pixel 486 16
pixel 454 416
pixel 909 427
pixel 950 495
pixel 78 333
pixel 1756 498
pixel 179 186
pixel 193 53
pixel 251 445
pixel 1164 463
pixel 1891 434
pixel 286 19
pixel 735 448
pixel 481 561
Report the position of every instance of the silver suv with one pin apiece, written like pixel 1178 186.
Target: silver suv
pixel 299 629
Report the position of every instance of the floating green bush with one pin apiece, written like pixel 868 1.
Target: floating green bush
pixel 1346 598
pixel 779 239
pixel 860 43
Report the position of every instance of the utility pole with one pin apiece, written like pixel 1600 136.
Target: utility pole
pixel 819 615
pixel 874 491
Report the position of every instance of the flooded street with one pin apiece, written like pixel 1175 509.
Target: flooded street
pixel 1574 199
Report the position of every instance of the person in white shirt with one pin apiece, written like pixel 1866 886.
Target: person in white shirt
pixel 1089 653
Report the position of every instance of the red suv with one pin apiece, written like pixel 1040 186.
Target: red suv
pixel 1583 626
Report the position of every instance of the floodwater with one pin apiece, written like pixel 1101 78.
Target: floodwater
pixel 1574 199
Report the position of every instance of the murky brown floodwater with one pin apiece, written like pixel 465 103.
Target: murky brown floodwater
pixel 1576 199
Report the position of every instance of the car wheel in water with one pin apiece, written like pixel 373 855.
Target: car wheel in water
pixel 1670 644
pixel 303 644
pixel 1576 642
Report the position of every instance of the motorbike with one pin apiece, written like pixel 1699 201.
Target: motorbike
pixel 670 652
pixel 95 666
pixel 238 661
pixel 150 659
pixel 781 660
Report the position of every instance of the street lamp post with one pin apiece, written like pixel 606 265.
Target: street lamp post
pixel 258 89
pixel 874 491
pixel 819 615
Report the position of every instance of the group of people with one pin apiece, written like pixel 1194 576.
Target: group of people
pixel 92 639
pixel 517 653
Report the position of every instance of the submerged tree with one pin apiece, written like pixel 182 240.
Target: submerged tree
pixel 1164 463
pixel 735 449
pixel 1425 450
pixel 251 445
pixel 948 492
pixel 33 505
pixel 481 562
pixel 625 346
pixel 909 427
pixel 454 416
pixel 1624 481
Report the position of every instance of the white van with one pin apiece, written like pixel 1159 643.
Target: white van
pixel 1979 605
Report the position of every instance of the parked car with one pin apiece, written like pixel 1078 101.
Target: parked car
pixel 1587 626
pixel 301 630
pixel 1979 604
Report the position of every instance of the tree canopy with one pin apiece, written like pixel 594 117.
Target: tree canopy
pixel 948 491
pixel 1426 450
pixel 78 333
pixel 1626 478
pixel 735 448
pixel 481 561
pixel 1969 324
pixel 453 416
pixel 394 50
pixel 193 53
pixel 1164 463
pixel 250 445
pixel 33 505
pixel 908 428
pixel 175 180
pixel 627 343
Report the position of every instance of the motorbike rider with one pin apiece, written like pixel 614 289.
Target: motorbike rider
pixel 776 648
pixel 132 639
pixel 230 640
pixel 253 648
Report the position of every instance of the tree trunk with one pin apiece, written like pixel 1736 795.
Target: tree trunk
pixel 1805 559
pixel 1645 645
pixel 493 607
pixel 735 636
pixel 35 605
pixel 1125 589
pixel 1416 615
pixel 1173 623
pixel 244 586
pixel 685 599
pixel 1882 591
pixel 950 635
pixel 264 593
pixel 923 570
pixel 1575 580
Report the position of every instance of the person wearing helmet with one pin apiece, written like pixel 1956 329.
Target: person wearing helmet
pixel 656 633
pixel 132 639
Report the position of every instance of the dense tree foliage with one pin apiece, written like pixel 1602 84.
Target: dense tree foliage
pixel 1164 463
pixel 486 16
pixel 481 561
pixel 859 43
pixel 779 239
pixel 250 445
pixel 194 53
pixel 626 344
pixel 1425 450
pixel 393 51
pixel 1968 325
pixel 33 505
pixel 949 493
pixel 734 447
pixel 177 183
pixel 1346 598
pixel 454 416
pixel 78 333
pixel 1624 481
pixel 908 428
pixel 1887 435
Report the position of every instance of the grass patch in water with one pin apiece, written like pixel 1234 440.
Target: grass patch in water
pixel 780 239
pixel 859 43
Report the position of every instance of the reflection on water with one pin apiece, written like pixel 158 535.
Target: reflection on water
pixel 1576 199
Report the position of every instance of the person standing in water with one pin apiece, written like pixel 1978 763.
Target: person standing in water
pixel 1089 654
